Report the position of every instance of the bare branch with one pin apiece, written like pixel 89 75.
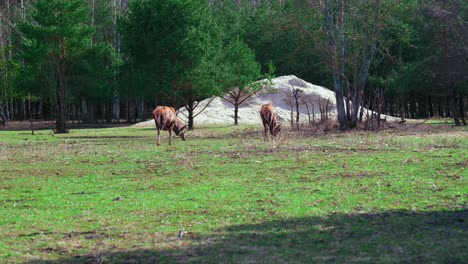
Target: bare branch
pixel 203 109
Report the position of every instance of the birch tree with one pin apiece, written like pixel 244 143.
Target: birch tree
pixel 350 61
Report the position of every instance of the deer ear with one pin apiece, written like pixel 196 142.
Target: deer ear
pixel 182 128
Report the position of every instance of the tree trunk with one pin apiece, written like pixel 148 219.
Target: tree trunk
pixel 23 19
pixel 364 72
pixel 93 9
pixel 72 111
pixel 141 110
pixel 61 117
pixel 447 107
pixel 3 96
pixel 327 110
pixel 308 111
pixel 117 4
pixel 361 113
pixel 190 119
pixel 127 111
pixel 430 106
pixel 453 106
pixel 2 45
pixel 236 113
pixel 23 10
pixel 337 85
pixel 407 109
pixel 15 109
pixel 440 112
pixel 10 42
pixel 190 108
pixel 40 110
pixel 116 107
pixel 10 110
pixel 109 111
pixel 342 59
pixel 60 121
pixel 348 108
pixel 313 114
pixel 84 111
pixel 2 115
pixel 296 97
pixel 291 115
pixel 23 109
pixel 321 110
pixel 412 108
pixel 462 108
pixel 30 114
pixel 421 110
pixel 402 108
pixel 93 119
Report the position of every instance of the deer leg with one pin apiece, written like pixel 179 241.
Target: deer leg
pixel 170 135
pixel 264 130
pixel 159 137
pixel 265 134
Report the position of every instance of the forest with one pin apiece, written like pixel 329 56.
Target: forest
pixel 113 61
pixel 92 183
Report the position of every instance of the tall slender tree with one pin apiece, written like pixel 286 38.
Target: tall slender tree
pixel 57 34
pixel 243 71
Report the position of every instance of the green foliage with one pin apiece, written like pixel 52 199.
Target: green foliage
pixel 241 68
pixel 58 32
pixel 413 41
pixel 103 20
pixel 169 44
pixel 9 70
pixel 188 50
pixel 55 19
pixel 285 35
pixel 89 68
pixel 402 64
pixel 179 50
pixel 94 72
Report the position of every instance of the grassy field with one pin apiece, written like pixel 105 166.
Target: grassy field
pixel 112 196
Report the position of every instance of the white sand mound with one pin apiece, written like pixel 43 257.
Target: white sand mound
pixel 219 111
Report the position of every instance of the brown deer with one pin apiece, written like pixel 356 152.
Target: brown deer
pixel 269 120
pixel 165 118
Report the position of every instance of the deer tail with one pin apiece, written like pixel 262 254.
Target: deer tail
pixel 162 121
pixel 159 121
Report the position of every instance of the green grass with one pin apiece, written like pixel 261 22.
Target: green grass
pixel 112 195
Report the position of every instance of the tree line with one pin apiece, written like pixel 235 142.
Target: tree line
pixel 114 60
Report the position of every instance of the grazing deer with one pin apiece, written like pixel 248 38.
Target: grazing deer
pixel 269 120
pixel 166 119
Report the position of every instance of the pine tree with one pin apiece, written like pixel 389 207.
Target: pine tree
pixel 56 36
pixel 177 50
